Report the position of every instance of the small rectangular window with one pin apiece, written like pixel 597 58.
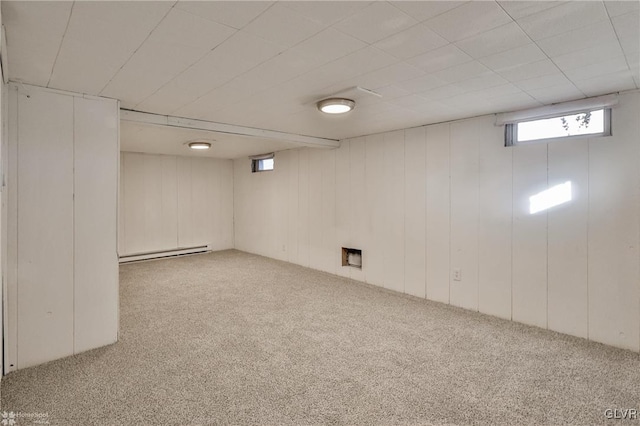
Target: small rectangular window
pixel 262 163
pixel 587 123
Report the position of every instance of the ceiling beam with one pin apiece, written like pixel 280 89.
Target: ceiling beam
pixel 188 123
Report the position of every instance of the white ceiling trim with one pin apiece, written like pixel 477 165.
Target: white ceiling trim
pixel 187 123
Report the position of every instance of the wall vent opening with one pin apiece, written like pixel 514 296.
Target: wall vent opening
pixel 352 257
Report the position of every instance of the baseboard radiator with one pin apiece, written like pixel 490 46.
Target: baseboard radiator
pixel 181 251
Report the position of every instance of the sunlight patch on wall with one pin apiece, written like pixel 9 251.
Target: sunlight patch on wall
pixel 551 197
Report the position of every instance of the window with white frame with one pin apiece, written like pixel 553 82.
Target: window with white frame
pixel 592 123
pixel 262 163
pixel 584 118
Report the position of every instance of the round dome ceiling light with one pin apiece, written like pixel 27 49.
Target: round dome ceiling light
pixel 199 145
pixel 336 105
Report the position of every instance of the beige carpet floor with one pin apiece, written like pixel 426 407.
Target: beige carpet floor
pixel 234 338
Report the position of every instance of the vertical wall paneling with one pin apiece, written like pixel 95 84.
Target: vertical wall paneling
pixel 183 169
pixel 614 215
pixel 464 211
pixel 328 165
pixel 280 196
pixel 293 206
pixel 342 210
pixel 567 239
pixel 11 176
pixel 495 213
pixel 393 195
pixel 95 157
pixel 303 208
pixel 357 205
pixel 529 278
pixel 133 169
pixel 414 211
pixel 45 227
pixel 169 206
pixel 121 232
pixel 437 221
pixel 373 253
pixel 152 193
pixel 315 208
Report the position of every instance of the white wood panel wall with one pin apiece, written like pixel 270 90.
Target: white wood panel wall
pixel 422 201
pixel 169 202
pixel 62 182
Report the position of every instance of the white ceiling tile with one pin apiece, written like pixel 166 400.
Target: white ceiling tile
pixel 463 72
pixel 412 42
pixel 440 59
pixel 592 54
pixel 91 78
pixel 423 10
pixel 544 81
pixel 150 68
pixel 184 28
pixel 395 73
pixel 604 84
pixel 617 7
pixel 554 94
pixel 30 67
pixel 513 102
pixel 627 26
pixel 235 56
pixel 422 84
pixel 566 17
pixel 34 34
pixel 377 21
pixel 391 91
pixel 442 92
pixel 515 57
pixel 282 26
pixel 468 20
pixel 326 12
pixel 608 66
pixel 409 101
pixel 498 91
pixel 520 8
pixel 484 81
pixel 630 45
pixel 578 39
pixel 528 71
pixel 326 46
pixel 500 39
pixel 235 14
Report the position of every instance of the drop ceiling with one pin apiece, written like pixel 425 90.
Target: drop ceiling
pixel 264 64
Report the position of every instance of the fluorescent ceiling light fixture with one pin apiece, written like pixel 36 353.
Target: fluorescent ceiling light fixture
pixel 551 197
pixel 336 105
pixel 199 145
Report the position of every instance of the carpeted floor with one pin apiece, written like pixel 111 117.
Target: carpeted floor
pixel 234 338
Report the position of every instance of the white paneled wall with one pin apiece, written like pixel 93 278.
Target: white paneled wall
pixel 62 267
pixel 169 202
pixel 422 202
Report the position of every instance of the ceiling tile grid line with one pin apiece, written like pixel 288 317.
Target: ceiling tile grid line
pixel 618 38
pixel 234 62
pixel 139 47
pixel 533 41
pixel 61 42
pixel 252 68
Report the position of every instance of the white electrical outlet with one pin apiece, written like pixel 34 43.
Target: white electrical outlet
pixel 284 247
pixel 457 274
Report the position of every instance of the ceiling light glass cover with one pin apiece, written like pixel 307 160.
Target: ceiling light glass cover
pixel 336 105
pixel 199 145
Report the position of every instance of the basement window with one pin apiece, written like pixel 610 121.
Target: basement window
pixel 262 163
pixel 595 122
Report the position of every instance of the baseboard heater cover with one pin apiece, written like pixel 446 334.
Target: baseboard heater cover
pixel 181 251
